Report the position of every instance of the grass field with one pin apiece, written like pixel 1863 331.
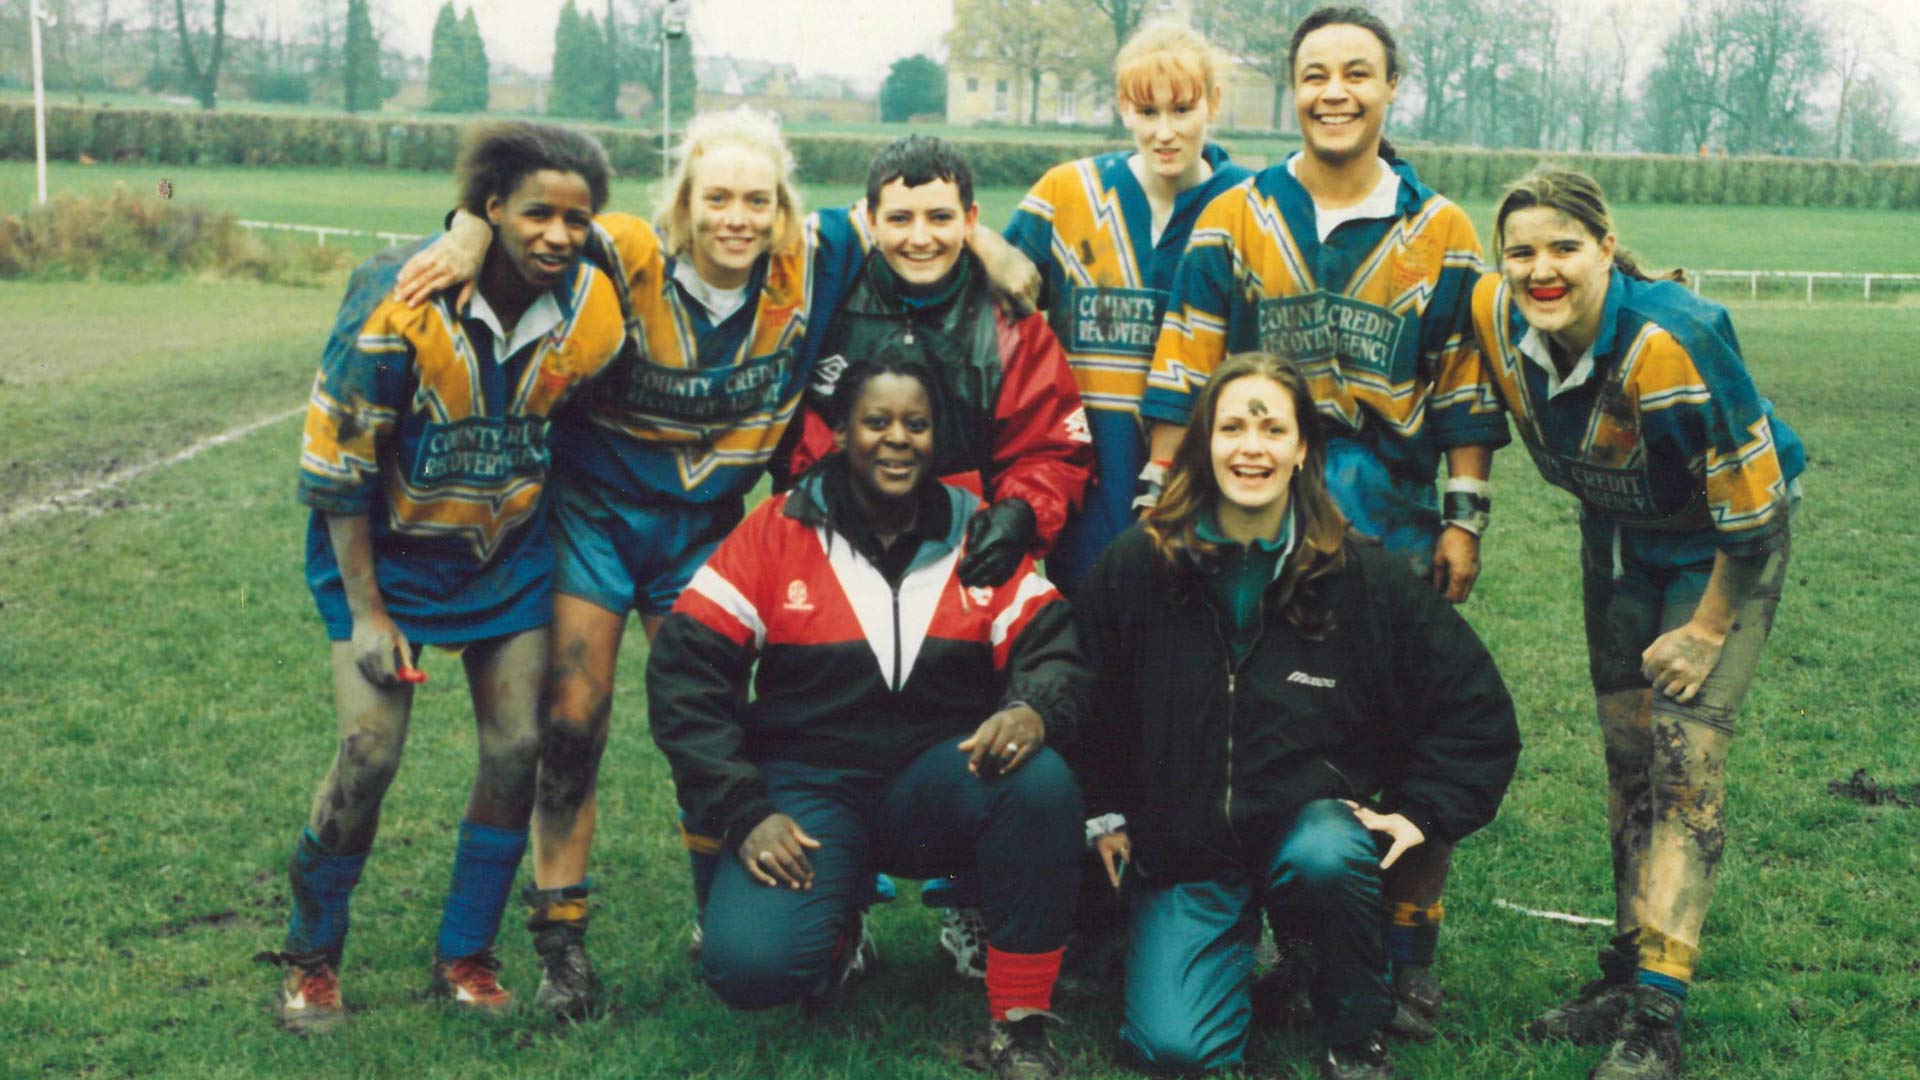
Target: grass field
pixel 1728 238
pixel 163 684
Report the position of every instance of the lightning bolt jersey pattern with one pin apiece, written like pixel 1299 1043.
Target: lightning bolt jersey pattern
pixel 1376 316
pixel 1658 430
pixel 415 421
pixel 1088 228
pixel 692 411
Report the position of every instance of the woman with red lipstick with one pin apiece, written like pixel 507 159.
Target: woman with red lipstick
pixel 1341 260
pixel 863 747
pixel 1631 394
pixel 1272 695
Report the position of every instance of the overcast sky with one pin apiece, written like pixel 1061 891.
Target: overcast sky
pixel 860 38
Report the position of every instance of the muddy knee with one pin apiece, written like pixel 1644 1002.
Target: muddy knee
pixel 570 744
pixel 346 809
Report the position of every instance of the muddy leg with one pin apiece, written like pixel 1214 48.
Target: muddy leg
pixel 1625 727
pixel 1689 834
pixel 373 730
pixel 574 721
pixel 504 677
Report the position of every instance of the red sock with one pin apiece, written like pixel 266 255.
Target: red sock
pixel 1021 980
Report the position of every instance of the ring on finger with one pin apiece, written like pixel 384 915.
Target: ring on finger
pixel 1013 748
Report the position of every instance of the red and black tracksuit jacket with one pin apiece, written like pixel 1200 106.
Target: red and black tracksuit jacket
pixel 1011 423
pixel 857 667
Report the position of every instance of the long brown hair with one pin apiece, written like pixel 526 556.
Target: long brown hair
pixel 1320 529
pixel 1578 196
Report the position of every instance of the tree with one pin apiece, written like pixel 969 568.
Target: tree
pixel 1685 103
pixel 1873 120
pixel 446 64
pixel 1031 37
pixel 577 54
pixel 204 75
pixel 1259 34
pixel 474 70
pixel 606 70
pixel 1781 49
pixel 360 67
pixel 915 85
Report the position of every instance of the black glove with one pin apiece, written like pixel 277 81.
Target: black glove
pixel 997 536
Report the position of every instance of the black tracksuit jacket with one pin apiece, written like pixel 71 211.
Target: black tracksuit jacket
pixel 1399 702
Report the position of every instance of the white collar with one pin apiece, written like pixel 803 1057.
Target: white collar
pixel 720 303
pixel 541 316
pixel 1382 202
pixel 1535 347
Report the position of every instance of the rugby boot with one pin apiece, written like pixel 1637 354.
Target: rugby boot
pixel 308 1002
pixel 1592 1016
pixel 963 936
pixel 1021 1049
pixel 1280 994
pixel 1364 1060
pixel 568 987
pixel 470 982
pixel 1649 1044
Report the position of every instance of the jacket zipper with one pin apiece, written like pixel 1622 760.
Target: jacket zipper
pixel 1233 681
pixel 896 637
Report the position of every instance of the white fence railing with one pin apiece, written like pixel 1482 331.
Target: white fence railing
pixel 1753 278
pixel 321 232
pixel 1750 278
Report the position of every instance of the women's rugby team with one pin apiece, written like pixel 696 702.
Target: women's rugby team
pixel 1240 692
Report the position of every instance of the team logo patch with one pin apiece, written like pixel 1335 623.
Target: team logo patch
pixel 980 594
pixel 1417 260
pixel 797 596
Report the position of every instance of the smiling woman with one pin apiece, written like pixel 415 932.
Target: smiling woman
pixel 1272 695
pixel 902 721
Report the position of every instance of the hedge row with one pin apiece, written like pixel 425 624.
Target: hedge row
pixel 1466 173
pixel 178 136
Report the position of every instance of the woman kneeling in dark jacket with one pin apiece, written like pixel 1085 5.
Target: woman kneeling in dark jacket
pixel 1272 693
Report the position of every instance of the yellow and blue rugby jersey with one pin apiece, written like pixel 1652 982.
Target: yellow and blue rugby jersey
pixel 692 412
pixel 1666 437
pixel 1089 230
pixel 414 421
pixel 1376 317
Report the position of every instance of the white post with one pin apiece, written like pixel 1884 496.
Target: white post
pixel 34 15
pixel 1809 288
pixel 666 103
pixel 1866 288
pixel 673 25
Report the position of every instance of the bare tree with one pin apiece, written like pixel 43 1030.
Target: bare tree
pixel 1781 49
pixel 205 75
pixel 1259 34
pixel 1033 38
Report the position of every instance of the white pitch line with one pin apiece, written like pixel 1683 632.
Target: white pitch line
pixel 74 499
pixel 1557 916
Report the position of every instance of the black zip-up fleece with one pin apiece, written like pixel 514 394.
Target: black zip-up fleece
pixel 1400 703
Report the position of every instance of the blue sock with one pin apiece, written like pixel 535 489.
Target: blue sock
pixel 1400 947
pixel 1666 983
pixel 483 869
pixel 322 884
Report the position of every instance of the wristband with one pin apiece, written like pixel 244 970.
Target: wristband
pixel 1468 504
pixel 1146 490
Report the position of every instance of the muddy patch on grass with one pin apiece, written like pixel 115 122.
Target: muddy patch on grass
pixel 1861 788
